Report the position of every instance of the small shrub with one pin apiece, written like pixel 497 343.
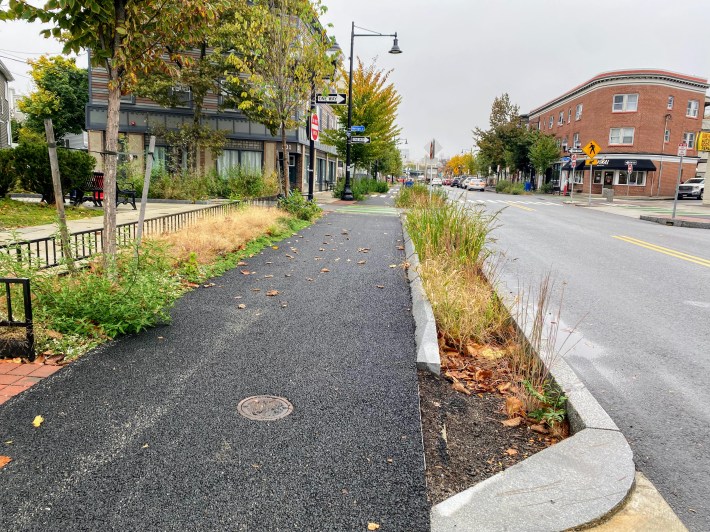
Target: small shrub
pixel 516 189
pixel 546 188
pixel 550 403
pixel 503 186
pixel 420 196
pixel 299 206
pixel 7 172
pixel 361 187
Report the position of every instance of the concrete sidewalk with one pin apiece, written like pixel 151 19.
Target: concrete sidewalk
pixel 145 433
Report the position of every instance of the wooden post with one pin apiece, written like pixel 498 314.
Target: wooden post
pixel 58 195
pixel 144 195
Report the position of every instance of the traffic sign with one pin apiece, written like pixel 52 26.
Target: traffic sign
pixel 575 150
pixel 592 162
pixel 682 149
pixel 633 163
pixel 630 168
pixel 357 129
pixel 574 160
pixel 360 140
pixel 333 99
pixel 591 149
pixel 314 127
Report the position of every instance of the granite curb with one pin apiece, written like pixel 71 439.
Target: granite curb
pixel 575 483
pixel 677 222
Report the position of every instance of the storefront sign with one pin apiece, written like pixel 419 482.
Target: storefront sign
pixel 704 141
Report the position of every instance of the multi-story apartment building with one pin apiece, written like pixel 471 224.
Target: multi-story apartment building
pixel 249 144
pixel 5 99
pixel 633 115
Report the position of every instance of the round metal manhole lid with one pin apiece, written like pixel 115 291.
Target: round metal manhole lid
pixel 264 407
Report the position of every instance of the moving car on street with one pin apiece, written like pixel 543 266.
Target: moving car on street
pixel 435 181
pixel 694 188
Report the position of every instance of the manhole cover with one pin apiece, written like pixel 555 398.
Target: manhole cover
pixel 264 407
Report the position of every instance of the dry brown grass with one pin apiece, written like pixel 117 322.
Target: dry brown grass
pixel 465 307
pixel 216 237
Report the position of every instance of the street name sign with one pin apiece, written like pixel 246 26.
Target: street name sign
pixel 333 99
pixel 591 149
pixel 575 150
pixel 360 140
pixel 357 129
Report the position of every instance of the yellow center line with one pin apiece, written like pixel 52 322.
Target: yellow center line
pixel 518 206
pixel 666 251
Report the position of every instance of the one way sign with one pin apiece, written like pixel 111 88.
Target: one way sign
pixel 360 140
pixel 333 99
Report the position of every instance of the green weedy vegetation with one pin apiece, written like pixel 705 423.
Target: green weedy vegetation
pixel 299 206
pixel 14 214
pixel 361 188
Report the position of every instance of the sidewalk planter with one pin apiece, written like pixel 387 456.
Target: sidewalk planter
pixel 574 483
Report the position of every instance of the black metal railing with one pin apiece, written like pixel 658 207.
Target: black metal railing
pixel 43 253
pixel 8 316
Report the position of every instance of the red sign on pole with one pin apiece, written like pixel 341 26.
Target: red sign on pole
pixel 630 167
pixel 314 127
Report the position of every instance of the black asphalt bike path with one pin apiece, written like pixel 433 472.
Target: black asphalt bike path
pixel 144 434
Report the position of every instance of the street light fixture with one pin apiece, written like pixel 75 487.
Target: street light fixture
pixel 347 191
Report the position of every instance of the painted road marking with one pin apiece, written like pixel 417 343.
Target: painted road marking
pixel 519 206
pixel 666 251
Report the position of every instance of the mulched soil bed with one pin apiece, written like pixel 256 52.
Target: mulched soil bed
pixel 465 441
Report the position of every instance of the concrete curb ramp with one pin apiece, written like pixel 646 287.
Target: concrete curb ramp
pixel 574 483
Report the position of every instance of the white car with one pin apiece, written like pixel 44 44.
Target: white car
pixel 694 188
pixel 436 182
pixel 476 183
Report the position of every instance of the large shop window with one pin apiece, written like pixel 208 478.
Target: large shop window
pixel 247 160
pixel 637 179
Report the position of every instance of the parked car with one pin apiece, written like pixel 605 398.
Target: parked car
pixel 446 181
pixel 455 181
pixel 435 181
pixel 464 179
pixel 694 188
pixel 476 183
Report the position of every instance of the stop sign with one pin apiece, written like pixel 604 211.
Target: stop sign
pixel 314 127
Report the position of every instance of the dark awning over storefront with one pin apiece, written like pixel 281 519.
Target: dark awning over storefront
pixel 644 165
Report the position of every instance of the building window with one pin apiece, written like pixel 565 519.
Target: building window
pixel 689 139
pixel 625 103
pixel 621 135
pixel 575 140
pixel 538 125
pixel 251 161
pixel 561 119
pixel 637 179
pixel 128 98
pixel 667 135
pixel 182 95
pixel 578 112
pixel 692 109
pixel 569 115
pixel 597 177
pixel 552 121
pixel 670 102
pixel 564 143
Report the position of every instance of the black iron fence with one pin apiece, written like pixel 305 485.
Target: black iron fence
pixel 9 316
pixel 43 253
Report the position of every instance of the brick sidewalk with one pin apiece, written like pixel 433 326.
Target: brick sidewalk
pixel 16 378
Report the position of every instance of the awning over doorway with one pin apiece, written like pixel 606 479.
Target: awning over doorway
pixel 645 165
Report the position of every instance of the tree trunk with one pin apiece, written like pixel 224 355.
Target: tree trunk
pixel 108 239
pixel 284 148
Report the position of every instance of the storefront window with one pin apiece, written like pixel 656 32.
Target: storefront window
pixel 597 177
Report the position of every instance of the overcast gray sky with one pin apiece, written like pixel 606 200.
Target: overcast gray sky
pixel 459 54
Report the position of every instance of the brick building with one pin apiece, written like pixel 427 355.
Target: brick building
pixel 249 144
pixel 638 115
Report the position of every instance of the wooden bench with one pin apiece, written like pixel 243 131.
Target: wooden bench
pixel 93 190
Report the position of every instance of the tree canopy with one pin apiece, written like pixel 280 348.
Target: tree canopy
pixel 62 91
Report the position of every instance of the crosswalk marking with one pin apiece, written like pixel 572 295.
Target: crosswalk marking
pixel 513 202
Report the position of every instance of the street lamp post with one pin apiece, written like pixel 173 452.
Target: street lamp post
pixel 347 191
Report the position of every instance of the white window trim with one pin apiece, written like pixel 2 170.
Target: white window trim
pixel 551 122
pixel 578 112
pixel 667 135
pixel 621 136
pixel 692 110
pixel 617 174
pixel 625 103
pixel 561 118
pixel 691 144
pixel 671 101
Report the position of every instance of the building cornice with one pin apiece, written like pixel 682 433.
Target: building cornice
pixel 626 77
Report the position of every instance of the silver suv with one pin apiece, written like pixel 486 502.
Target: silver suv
pixel 692 187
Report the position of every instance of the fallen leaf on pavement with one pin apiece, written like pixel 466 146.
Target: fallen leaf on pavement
pixel 272 293
pixel 287 275
pixel 289 256
pixel 209 285
pixel 256 289
pixel 145 446
pixel 246 272
pixel 242 306
pixel 321 249
pixel 372 526
pixel 274 247
pixel 37 421
pixel 502 388
pixel 363 250
pixel 401 248
pixel 393 265
pixel 380 286
pixel 241 263
pixel 268 276
pixel 4 460
pixel 284 305
pixel 309 279
pixel 511 452
pixel 325 270
pixel 361 261
pixel 540 429
pixel 512 422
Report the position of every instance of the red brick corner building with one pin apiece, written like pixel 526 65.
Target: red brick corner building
pixel 634 115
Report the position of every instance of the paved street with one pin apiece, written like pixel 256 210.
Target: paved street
pixel 639 293
pixel 144 433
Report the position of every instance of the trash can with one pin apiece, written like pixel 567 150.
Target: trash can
pixel 608 193
pixel 528 186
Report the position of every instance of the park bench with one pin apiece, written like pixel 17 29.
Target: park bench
pixel 93 190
